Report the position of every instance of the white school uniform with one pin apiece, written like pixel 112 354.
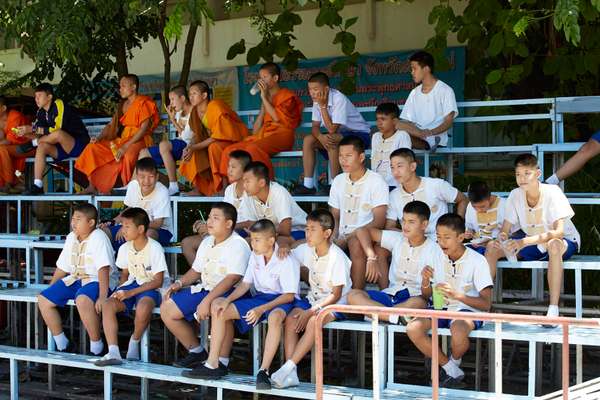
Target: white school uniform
pixel 434 192
pixel 382 148
pixel 428 110
pixel 342 112
pixel 470 274
pixel 187 134
pixel 279 206
pixel 356 200
pixel 142 265
pixel 82 260
pixel 157 204
pixel 275 277
pixel 325 273
pixel 552 206
pixel 486 224
pixel 215 262
pixel 230 196
pixel 408 261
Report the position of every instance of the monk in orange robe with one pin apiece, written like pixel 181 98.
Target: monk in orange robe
pixel 215 127
pixel 275 126
pixel 11 138
pixel 112 155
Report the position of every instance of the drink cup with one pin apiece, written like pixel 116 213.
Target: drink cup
pixel 510 256
pixel 254 89
pixel 438 299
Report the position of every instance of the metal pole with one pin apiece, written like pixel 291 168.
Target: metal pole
pixel 498 358
pixel 565 361
pixel 375 355
pixel 435 379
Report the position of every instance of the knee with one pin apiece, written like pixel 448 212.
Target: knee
pixel 83 301
pixel 164 146
pixel 44 303
pixel 459 330
pixel 152 233
pixel 354 295
pixel 414 330
pixel 166 310
pixel 555 247
pixel 276 318
pixel 110 306
pixel 309 141
pixel 42 148
pixel 144 308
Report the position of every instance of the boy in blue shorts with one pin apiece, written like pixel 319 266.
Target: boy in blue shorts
pixel 276 282
pixel 85 273
pixel 463 278
pixel 144 273
pixel 589 150
pixel 220 263
pixel 328 271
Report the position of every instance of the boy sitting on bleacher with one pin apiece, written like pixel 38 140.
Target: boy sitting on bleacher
pixel 220 263
pixel 463 278
pixel 276 282
pixel 358 198
pixel 543 213
pixel 147 193
pixel 411 252
pixel 386 140
pixel 143 273
pixel 327 270
pixel 85 273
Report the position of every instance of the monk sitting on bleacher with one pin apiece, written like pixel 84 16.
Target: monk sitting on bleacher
pixel 11 160
pixel 215 126
pixel 111 156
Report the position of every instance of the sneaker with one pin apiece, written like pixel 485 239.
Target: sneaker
pixel 108 360
pixel 192 360
pixel 435 146
pixel 324 190
pixel 71 348
pixel 302 190
pixel 446 381
pixel 405 319
pixel 552 313
pixel 34 190
pixel 262 380
pixel 289 381
pixel 25 148
pixel 203 372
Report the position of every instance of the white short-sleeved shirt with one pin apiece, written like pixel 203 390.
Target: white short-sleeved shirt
pixel 356 200
pixel 342 112
pixel 144 264
pixel 215 262
pixel 276 277
pixel 157 204
pixel 434 192
pixel 82 260
pixel 279 206
pixel 325 273
pixel 552 206
pixel 428 110
pixel 187 135
pixel 382 148
pixel 470 274
pixel 408 261
pixel 239 203
pixel 486 224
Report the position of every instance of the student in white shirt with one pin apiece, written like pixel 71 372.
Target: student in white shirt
pixel 411 252
pixel 143 273
pixel 220 263
pixel 234 195
pixel 358 198
pixel 85 272
pixel 276 283
pixel 430 108
pixel 543 213
pixel 333 111
pixel 147 193
pixel 327 270
pixel 463 278
pixel 386 140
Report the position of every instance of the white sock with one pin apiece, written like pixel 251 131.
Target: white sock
pixel 61 341
pixel 197 349
pixel 224 361
pixel 39 183
pixel 173 188
pixel 113 351
pixel 553 180
pixel 207 365
pixel 96 347
pixel 287 368
pixel 133 350
pixel 552 311
pixel 309 182
pixel 34 142
pixel 452 369
pixel 455 361
pixel 394 318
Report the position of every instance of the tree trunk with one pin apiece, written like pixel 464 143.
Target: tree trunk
pixel 187 54
pixel 166 52
pixel 121 59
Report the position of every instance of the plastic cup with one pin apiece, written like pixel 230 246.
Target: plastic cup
pixel 510 256
pixel 438 299
pixel 254 89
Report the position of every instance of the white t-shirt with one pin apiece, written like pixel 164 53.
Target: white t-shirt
pixel 552 206
pixel 215 262
pixel 82 260
pixel 428 110
pixel 157 204
pixel 279 206
pixel 487 224
pixel 434 192
pixel 239 203
pixel 382 148
pixel 144 264
pixel 325 273
pixel 342 112
pixel 187 135
pixel 356 200
pixel 408 262
pixel 470 274
pixel 276 277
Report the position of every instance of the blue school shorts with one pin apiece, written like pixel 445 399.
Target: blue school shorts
pixel 596 136
pixel 61 154
pixel 188 302
pixel 298 235
pixel 177 151
pixel 164 237
pixel 305 305
pixel 445 323
pixel 247 304
pixel 60 294
pixel 389 300
pixel 533 253
pixel 479 249
pixel 364 136
pixel 131 302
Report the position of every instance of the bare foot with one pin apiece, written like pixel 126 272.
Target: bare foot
pixel 193 192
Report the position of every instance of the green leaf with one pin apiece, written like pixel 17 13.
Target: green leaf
pixel 513 73
pixel 236 49
pixel 493 77
pixel 352 21
pixel 522 50
pixel 496 44
pixel 521 26
pixel 566 14
pixel 254 55
pixel 596 3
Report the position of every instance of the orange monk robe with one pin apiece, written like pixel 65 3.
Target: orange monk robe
pixel 10 160
pixel 97 160
pixel 223 125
